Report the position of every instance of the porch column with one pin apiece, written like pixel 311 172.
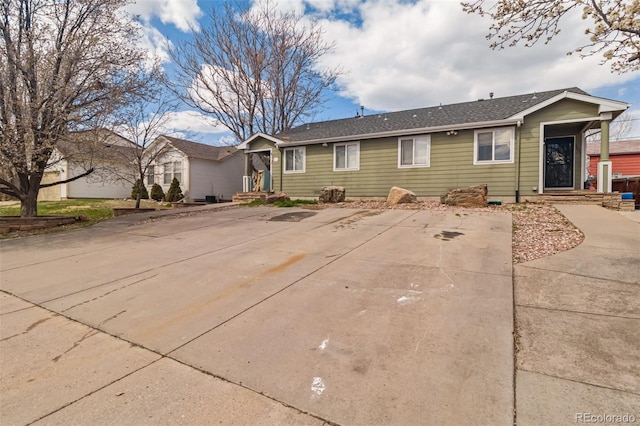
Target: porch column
pixel 246 179
pixel 604 165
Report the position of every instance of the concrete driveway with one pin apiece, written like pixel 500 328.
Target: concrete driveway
pixel 261 316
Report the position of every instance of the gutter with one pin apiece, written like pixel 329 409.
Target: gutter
pixel 518 147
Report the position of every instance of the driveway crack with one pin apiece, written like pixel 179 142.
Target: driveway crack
pixel 91 332
pixel 31 327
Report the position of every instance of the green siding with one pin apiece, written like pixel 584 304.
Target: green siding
pixel 451 162
pixel 451 167
pixel 261 145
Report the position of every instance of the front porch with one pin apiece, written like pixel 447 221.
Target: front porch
pixel 611 200
pixel 563 166
pixel 249 196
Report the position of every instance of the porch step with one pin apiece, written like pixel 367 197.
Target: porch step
pixel 609 200
pixel 247 197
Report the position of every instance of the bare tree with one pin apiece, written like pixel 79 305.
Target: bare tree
pixel 615 29
pixel 64 66
pixel 142 120
pixel 620 129
pixel 254 69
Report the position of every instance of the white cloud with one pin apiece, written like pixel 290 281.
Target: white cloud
pixel 182 13
pixel 192 121
pixel 405 55
pixel 227 140
pixel 155 43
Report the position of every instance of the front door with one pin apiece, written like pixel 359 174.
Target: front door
pixel 559 153
pixel 261 171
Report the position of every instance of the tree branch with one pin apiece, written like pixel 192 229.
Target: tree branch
pixel 87 173
pixel 10 190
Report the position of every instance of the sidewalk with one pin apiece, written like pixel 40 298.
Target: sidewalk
pixel 578 326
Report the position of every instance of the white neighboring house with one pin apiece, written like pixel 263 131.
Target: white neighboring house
pixel 73 157
pixel 202 170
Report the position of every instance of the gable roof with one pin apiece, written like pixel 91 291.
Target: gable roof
pixel 200 150
pixel 616 147
pixel 466 115
pixel 102 144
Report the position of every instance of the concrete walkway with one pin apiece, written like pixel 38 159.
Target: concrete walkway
pixel 261 316
pixel 578 325
pixel 349 317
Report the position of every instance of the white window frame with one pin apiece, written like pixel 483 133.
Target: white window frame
pixel 303 149
pixel 177 169
pixel 426 138
pixel 167 170
pixel 493 146
pixel 346 169
pixel 151 174
pixel 171 168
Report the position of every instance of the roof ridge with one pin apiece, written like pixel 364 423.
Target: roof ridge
pixel 503 98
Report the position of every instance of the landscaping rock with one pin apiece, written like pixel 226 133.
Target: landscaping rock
pixel 401 196
pixel 332 194
pixel 473 196
pixel 276 197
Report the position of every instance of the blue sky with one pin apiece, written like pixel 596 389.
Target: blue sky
pixel 401 54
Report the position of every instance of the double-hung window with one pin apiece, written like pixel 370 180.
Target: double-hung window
pixel 172 170
pixel 294 159
pixel 151 175
pixel 414 151
pixel 346 156
pixel 493 146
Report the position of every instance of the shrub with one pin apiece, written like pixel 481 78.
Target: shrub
pixel 174 193
pixel 134 191
pixel 157 193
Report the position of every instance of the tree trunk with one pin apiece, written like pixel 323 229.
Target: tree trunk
pixel 29 205
pixel 139 196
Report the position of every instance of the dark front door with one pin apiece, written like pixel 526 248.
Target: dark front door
pixel 558 172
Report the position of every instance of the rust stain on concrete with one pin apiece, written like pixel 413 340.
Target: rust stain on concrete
pixel 284 265
pixel 204 305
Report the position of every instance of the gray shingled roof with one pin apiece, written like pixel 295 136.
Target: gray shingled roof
pixel 98 144
pixel 444 115
pixel 200 150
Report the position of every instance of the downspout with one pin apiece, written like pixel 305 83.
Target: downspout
pixel 280 160
pixel 518 143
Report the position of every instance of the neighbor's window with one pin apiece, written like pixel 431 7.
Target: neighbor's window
pixel 151 175
pixel 172 170
pixel 414 152
pixel 168 171
pixel 493 146
pixel 346 156
pixel 294 159
pixel 177 170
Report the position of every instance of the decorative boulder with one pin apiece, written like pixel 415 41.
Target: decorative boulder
pixel 473 196
pixel 277 196
pixel 332 194
pixel 401 196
